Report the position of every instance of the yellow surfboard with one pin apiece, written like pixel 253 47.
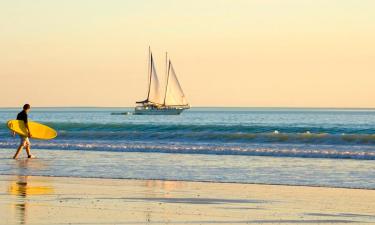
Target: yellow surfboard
pixel 38 131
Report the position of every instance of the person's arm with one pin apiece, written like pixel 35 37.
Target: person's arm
pixel 27 128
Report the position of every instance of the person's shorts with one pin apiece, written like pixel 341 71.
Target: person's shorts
pixel 24 141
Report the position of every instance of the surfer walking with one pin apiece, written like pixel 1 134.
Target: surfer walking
pixel 24 142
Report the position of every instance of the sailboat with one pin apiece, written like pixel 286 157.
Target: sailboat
pixel 168 101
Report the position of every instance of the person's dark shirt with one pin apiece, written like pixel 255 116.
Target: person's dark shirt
pixel 22 116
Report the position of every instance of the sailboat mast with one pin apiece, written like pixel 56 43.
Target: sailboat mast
pixel 166 75
pixel 166 86
pixel 166 64
pixel 149 71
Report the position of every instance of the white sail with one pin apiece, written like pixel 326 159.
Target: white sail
pixel 174 96
pixel 154 94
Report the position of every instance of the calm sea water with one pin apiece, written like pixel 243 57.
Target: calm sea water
pixel 329 147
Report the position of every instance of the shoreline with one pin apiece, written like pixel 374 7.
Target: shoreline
pixel 193 181
pixel 56 200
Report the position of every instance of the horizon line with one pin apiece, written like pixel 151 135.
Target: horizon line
pixel 255 107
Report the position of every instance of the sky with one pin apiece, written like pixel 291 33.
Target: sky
pixel 251 53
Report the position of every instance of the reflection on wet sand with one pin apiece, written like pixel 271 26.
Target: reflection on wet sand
pixel 160 188
pixel 22 188
pixel 165 187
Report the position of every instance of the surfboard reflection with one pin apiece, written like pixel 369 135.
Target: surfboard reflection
pixel 23 188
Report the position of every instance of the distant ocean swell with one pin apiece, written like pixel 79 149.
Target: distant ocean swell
pixel 295 128
pixel 213 133
pixel 291 141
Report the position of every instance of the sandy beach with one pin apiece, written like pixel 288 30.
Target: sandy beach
pixel 62 200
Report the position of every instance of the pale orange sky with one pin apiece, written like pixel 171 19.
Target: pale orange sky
pixel 296 53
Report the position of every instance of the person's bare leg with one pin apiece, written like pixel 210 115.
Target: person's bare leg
pixel 18 151
pixel 28 150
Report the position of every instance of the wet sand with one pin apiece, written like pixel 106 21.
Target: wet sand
pixel 61 200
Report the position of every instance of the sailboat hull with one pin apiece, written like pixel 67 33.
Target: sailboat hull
pixel 157 111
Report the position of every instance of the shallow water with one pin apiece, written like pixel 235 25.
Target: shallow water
pixel 194 167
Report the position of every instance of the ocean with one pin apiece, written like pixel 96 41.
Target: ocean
pixel 316 147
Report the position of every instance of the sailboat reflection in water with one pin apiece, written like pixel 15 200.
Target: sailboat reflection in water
pixel 173 102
